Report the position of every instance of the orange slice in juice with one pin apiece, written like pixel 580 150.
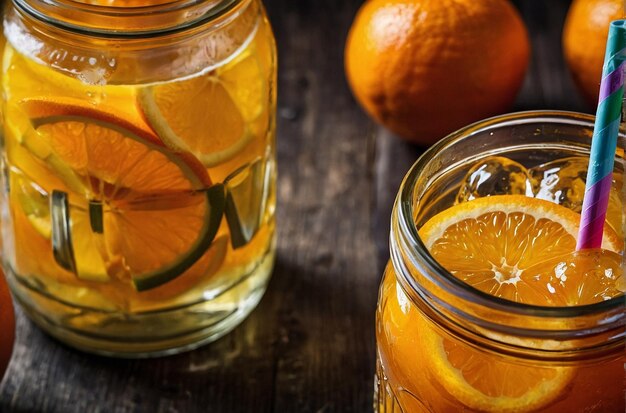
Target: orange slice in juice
pixel 486 383
pixel 490 242
pixel 509 246
pixel 207 115
pixel 144 209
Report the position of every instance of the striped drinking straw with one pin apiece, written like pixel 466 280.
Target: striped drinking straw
pixel 604 143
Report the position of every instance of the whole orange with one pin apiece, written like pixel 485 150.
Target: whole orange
pixel 584 41
pixel 424 68
pixel 7 325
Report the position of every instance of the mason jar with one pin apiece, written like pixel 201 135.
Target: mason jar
pixel 445 346
pixel 138 189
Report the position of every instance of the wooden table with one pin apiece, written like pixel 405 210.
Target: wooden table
pixel 309 346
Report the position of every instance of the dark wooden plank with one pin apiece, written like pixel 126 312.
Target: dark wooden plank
pixel 45 376
pixel 328 311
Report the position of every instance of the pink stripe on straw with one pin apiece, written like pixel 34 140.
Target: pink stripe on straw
pixel 612 82
pixel 593 216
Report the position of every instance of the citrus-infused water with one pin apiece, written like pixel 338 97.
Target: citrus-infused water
pixel 518 321
pixel 138 169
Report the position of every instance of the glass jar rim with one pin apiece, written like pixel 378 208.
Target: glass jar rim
pixel 405 211
pixel 170 17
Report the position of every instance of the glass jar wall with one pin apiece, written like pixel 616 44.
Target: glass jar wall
pixel 138 169
pixel 444 346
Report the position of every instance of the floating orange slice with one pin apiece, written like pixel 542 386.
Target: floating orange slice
pixel 491 242
pixel 510 246
pixel 209 114
pixel 486 382
pixel 138 210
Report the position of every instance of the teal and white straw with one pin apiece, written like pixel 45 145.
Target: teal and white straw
pixel 604 144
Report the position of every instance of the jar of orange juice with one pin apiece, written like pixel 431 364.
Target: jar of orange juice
pixel 138 169
pixel 485 306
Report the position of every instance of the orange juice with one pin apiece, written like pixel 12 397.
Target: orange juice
pixel 138 169
pixel 485 305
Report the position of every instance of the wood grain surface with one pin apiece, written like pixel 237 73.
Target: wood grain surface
pixel 309 346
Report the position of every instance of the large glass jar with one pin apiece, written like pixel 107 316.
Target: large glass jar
pixel 444 346
pixel 138 168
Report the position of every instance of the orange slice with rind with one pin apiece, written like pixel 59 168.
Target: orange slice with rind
pixel 487 382
pixel 513 247
pixel 207 115
pixel 490 242
pixel 202 269
pixel 150 213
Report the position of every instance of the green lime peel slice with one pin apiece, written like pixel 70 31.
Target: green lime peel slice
pixel 64 251
pixel 246 198
pixel 216 196
pixel 61 231
pixel 84 268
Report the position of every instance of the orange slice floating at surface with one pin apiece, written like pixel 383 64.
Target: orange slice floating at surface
pixel 491 242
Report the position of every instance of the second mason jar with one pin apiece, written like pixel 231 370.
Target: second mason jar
pixel 138 169
pixel 446 346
